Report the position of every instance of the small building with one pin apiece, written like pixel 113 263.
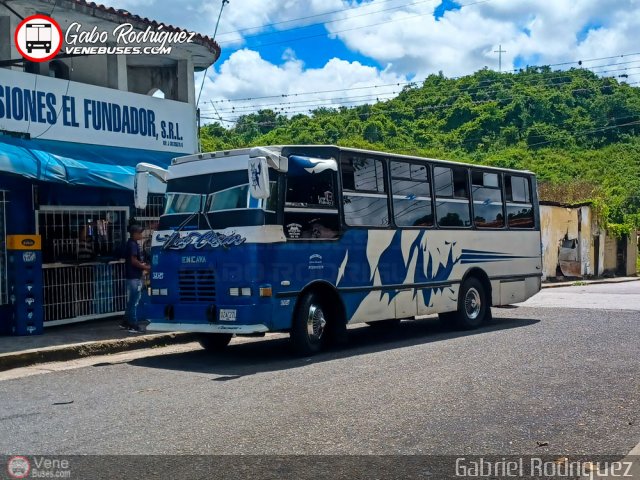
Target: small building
pixel 574 245
pixel 72 129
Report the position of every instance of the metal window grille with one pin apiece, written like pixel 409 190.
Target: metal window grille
pixel 149 218
pixel 3 248
pixel 82 276
pixel 66 231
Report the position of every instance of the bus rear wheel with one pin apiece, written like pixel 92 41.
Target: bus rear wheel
pixel 215 342
pixel 309 330
pixel 473 307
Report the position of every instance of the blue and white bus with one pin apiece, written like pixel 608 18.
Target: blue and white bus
pixel 310 239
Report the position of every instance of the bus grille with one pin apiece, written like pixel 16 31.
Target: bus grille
pixel 197 285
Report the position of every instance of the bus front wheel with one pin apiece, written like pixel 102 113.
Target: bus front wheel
pixel 309 329
pixel 473 306
pixel 214 342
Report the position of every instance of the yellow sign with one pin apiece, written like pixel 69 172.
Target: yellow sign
pixel 24 242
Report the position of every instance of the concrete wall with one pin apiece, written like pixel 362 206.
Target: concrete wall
pixel 560 224
pixel 632 253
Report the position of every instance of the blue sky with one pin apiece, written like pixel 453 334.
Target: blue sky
pixel 301 49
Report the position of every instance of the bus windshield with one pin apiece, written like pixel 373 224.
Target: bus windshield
pixel 178 203
pixel 224 197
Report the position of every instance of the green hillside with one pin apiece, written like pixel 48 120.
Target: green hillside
pixel 579 132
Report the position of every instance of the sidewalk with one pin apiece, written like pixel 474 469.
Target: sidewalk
pixel 100 337
pixel 67 342
pixel 579 282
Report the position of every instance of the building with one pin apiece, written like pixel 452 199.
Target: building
pixel 574 245
pixel 72 129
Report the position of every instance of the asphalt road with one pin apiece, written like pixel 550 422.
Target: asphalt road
pixel 539 379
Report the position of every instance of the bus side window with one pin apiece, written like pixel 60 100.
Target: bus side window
pixel 452 196
pixel 310 204
pixel 487 200
pixel 411 192
pixel 519 204
pixel 365 194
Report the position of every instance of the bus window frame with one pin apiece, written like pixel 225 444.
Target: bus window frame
pixel 429 167
pixel 503 193
pixel 452 197
pixel 533 197
pixel 384 159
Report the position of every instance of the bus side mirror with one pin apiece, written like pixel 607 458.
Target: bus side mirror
pixel 259 178
pixel 141 189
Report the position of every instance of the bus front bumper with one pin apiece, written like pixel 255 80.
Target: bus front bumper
pixel 206 328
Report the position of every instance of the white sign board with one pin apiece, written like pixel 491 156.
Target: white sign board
pixel 54 109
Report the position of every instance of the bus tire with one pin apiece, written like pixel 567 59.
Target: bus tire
pixel 309 329
pixel 472 305
pixel 383 324
pixel 215 342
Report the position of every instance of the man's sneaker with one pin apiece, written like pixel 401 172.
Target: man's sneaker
pixel 135 330
pixel 123 326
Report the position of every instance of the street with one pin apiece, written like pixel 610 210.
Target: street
pixel 557 375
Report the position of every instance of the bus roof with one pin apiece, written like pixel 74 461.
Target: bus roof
pixel 279 148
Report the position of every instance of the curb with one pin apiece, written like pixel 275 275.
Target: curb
pixel 583 283
pixel 74 351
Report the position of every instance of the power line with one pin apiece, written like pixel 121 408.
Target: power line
pixel 303 18
pixel 376 95
pixel 419 109
pixel 298 107
pixel 262 45
pixel 277 32
pixel 286 95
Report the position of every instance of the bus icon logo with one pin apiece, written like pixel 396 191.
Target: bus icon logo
pixel 38 38
pixel 18 467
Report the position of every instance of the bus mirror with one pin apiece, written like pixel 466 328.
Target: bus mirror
pixel 141 189
pixel 259 177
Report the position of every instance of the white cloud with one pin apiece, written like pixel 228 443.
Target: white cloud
pixel 246 75
pixel 464 40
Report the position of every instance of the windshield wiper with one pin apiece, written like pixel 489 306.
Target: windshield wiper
pixel 178 230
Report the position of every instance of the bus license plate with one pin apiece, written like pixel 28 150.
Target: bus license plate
pixel 227 315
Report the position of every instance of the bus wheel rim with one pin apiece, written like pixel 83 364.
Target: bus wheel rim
pixel 316 322
pixel 472 303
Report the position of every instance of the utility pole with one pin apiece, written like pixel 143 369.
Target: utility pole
pixel 500 52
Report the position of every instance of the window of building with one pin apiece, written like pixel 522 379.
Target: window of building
pixel 487 200
pixel 452 196
pixel 311 211
pixel 3 248
pixel 411 192
pixel 364 196
pixel 519 204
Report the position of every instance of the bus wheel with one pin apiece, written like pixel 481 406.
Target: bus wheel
pixel 309 329
pixel 214 342
pixel 472 305
pixel 392 322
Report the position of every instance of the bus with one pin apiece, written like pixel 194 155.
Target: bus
pixel 310 239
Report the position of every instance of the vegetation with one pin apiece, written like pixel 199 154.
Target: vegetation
pixel 580 133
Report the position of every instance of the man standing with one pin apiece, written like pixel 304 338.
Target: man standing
pixel 134 269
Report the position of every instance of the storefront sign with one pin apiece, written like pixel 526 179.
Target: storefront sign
pixel 54 109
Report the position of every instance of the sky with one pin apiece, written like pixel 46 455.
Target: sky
pixel 293 55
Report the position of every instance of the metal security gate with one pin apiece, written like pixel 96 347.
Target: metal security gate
pixel 83 276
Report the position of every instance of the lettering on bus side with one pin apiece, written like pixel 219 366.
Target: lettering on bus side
pixel 174 241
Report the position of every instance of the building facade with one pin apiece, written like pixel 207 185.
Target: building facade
pixel 72 129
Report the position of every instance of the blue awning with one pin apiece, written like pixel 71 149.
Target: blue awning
pixel 76 163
